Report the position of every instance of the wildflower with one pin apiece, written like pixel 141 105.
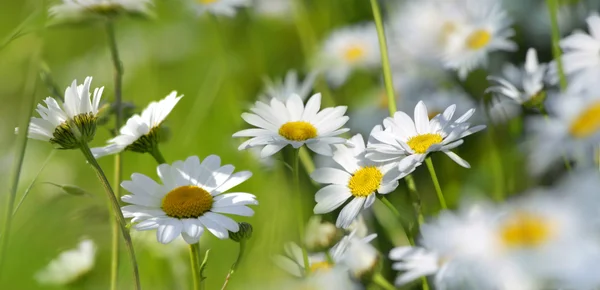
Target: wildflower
pixel 320 235
pixel 74 9
pixel 69 265
pixel 219 7
pixel 361 258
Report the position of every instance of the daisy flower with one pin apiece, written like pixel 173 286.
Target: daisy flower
pixel 141 132
pixel 57 121
pixel 359 181
pixel 290 85
pixel 347 49
pixel 524 86
pixel 69 265
pixel 320 234
pixel 291 123
pixel 281 9
pixel 190 200
pixel 360 257
pixel 81 8
pixel 219 7
pixel 415 262
pixel 408 143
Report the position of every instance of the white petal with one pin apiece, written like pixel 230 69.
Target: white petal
pixel 168 231
pixel 350 212
pixel 330 176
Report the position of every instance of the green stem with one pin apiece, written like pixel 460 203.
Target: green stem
pixel 296 177
pixel 553 11
pixel 195 265
pixel 436 183
pixel 116 209
pixel 380 281
pixel 235 264
pixel 396 213
pixel 33 182
pixel 414 196
pixel 306 160
pixel 385 62
pixel 157 155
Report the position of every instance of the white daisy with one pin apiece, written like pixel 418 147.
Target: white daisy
pixel 501 110
pixel 320 234
pixel 335 278
pixel 69 265
pixel 219 7
pixel 141 132
pixel 360 257
pixel 190 199
pixel 291 123
pixel 437 100
pixel 409 143
pixel 522 86
pixel 81 8
pixel 281 9
pixel 55 124
pixel 347 49
pixel 415 262
pixel 359 180
pixel 284 89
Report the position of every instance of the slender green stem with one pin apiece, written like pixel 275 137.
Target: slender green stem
pixel 436 183
pixel 396 213
pixel 157 155
pixel 415 197
pixel 306 160
pixel 296 177
pixel 385 62
pixel 553 11
pixel 116 209
pixel 235 264
pixel 380 281
pixel 33 182
pixel 202 266
pixel 195 265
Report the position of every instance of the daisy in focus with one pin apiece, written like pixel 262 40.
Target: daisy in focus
pixel 69 266
pixel 524 86
pixel 141 132
pixel 290 85
pixel 359 181
pixel 291 123
pixel 219 7
pixel 73 9
pixel 190 200
pixel 347 49
pixel 72 123
pixel 408 143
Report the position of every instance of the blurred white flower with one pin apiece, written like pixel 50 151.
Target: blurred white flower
pixel 190 200
pixel 81 8
pixel 293 261
pixel 358 227
pixel 290 85
pixel 415 262
pixel 291 123
pixel 360 181
pixel 141 132
pixel 319 234
pixel 522 86
pixel 69 265
pixel 437 100
pixel 218 7
pixel 274 8
pixel 347 49
pixel 360 257
pixel 502 110
pixel 336 278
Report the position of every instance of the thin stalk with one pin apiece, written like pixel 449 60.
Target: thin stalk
pixel 157 155
pixel 118 173
pixel 380 281
pixel 306 160
pixel 195 265
pixel 296 177
pixel 396 213
pixel 553 11
pixel 85 149
pixel 33 182
pixel 385 62
pixel 235 264
pixel 436 183
pixel 414 194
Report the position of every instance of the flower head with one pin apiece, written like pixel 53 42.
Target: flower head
pixel 190 200
pixel 72 123
pixel 319 234
pixel 290 85
pixel 141 132
pixel 69 265
pixel 219 7
pixel 291 123
pixel 73 9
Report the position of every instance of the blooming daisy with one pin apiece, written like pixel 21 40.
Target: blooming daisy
pixel 190 200
pixel 56 122
pixel 283 89
pixel 69 265
pixel 409 143
pixel 219 7
pixel 141 132
pixel 349 48
pixel 291 123
pixel 81 8
pixel 523 86
pixel 359 180
pixel 415 262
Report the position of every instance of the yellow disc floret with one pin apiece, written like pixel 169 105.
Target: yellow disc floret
pixel 421 143
pixel 587 123
pixel 478 39
pixel 298 131
pixel 320 267
pixel 525 230
pixel 187 201
pixel 354 53
pixel 365 181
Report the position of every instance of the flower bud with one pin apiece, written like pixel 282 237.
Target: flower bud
pixel 245 232
pixel 319 235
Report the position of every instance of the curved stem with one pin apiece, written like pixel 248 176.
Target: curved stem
pixel 385 62
pixel 157 155
pixel 235 264
pixel 116 210
pixel 380 281
pixel 296 177
pixel 436 183
pixel 33 182
pixel 396 213
pixel 553 11
pixel 195 265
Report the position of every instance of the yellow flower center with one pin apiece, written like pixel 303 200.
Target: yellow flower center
pixel 320 267
pixel 525 230
pixel 298 131
pixel 587 123
pixel 365 181
pixel 207 1
pixel 421 143
pixel 447 29
pixel 187 201
pixel 478 39
pixel 354 53
pixel 432 114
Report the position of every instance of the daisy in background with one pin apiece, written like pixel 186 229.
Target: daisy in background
pixel 69 266
pixel 141 132
pixel 69 124
pixel 320 234
pixel 218 7
pixel 190 200
pixel 348 49
pixel 281 9
pixel 291 123
pixel 290 85
pixel 74 9
pixel 359 181
pixel 408 143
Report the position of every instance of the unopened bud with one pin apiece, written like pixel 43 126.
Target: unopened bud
pixel 245 232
